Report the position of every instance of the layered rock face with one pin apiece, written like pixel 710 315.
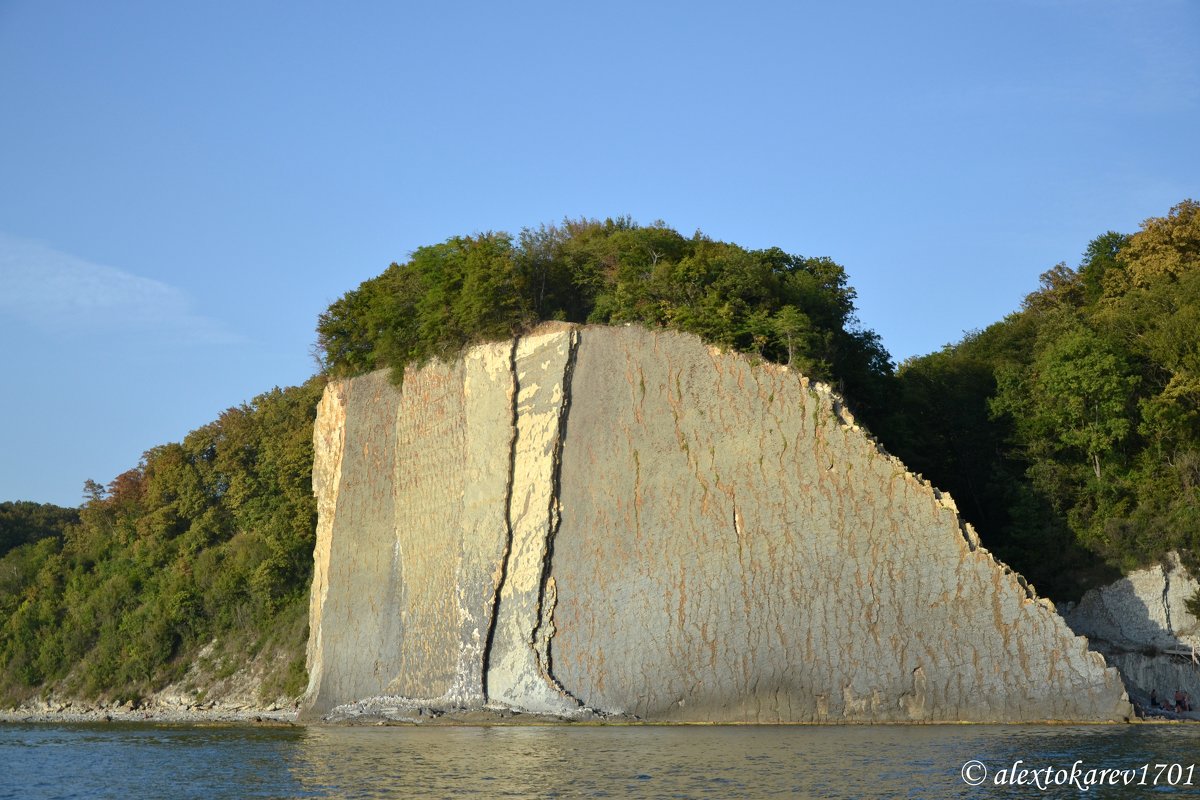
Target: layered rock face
pixel 633 523
pixel 1142 626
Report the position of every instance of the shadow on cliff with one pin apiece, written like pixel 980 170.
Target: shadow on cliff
pixel 1057 566
pixel 938 423
pixel 1029 535
pixel 1138 623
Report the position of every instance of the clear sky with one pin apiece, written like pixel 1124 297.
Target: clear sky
pixel 185 185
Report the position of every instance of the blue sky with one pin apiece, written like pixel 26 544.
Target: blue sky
pixel 184 186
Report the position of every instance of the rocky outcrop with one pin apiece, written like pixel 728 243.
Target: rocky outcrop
pixel 412 493
pixel 627 522
pixel 1141 625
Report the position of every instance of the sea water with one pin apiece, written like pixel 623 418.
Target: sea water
pixel 129 761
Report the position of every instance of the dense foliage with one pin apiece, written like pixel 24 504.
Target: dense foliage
pixel 208 538
pixel 782 307
pixel 25 522
pixel 1070 431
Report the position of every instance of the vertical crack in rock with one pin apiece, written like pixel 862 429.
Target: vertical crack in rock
pixel 1166 599
pixel 516 673
pixel 543 633
pixel 508 528
pixel 1139 625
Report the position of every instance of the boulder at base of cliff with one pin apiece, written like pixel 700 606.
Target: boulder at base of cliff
pixel 617 521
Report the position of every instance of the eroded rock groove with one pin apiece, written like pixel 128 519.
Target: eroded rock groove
pixel 508 534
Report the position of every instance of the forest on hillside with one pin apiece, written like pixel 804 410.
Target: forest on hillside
pixel 1069 432
pixel 209 538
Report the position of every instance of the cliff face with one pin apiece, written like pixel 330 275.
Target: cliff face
pixel 631 522
pixel 1142 627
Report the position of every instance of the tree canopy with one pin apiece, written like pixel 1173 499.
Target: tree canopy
pixel 23 522
pixel 469 289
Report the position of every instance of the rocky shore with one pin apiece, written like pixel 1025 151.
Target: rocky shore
pixel 1141 624
pixel 371 711
pixel 402 711
pixel 375 711
pixel 54 710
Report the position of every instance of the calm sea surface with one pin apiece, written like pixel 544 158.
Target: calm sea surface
pixel 136 761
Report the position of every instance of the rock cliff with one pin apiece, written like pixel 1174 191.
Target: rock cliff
pixel 1142 626
pixel 631 522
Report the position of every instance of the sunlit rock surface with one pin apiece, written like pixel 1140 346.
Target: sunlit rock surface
pixel 1142 626
pixel 619 521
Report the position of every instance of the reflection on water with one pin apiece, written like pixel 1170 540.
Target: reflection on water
pixel 557 762
pixel 129 761
pixel 716 762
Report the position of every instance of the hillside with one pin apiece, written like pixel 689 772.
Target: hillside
pixel 203 547
pixel 1069 433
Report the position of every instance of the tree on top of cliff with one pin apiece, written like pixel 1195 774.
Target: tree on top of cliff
pixel 471 289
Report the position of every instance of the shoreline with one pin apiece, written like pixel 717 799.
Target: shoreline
pixel 290 717
pixel 84 714
pixel 410 712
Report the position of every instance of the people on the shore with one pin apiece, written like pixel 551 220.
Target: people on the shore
pixel 1182 702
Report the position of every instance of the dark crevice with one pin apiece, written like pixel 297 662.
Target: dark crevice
pixel 508 531
pixel 1166 599
pixel 554 517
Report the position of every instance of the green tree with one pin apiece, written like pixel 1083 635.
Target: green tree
pixel 490 286
pixel 794 327
pixel 1077 397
